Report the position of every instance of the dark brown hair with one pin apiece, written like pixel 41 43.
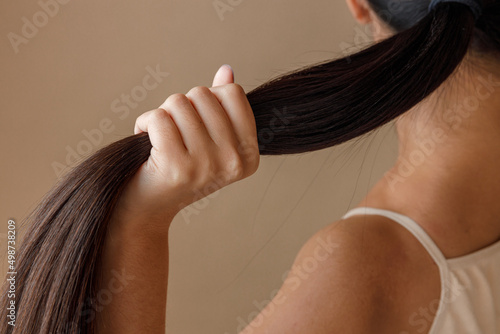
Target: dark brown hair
pixel 306 110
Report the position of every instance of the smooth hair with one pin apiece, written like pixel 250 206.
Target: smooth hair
pixel 306 110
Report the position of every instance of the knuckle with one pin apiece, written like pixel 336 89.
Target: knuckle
pixel 181 175
pixel 235 167
pixel 144 116
pixel 176 100
pixel 159 115
pixel 253 161
pixel 235 88
pixel 199 91
pixel 249 149
pixel 140 118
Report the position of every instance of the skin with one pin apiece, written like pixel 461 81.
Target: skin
pixel 372 276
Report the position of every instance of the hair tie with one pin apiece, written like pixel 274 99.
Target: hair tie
pixel 475 6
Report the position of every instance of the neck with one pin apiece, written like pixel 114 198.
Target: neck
pixel 447 175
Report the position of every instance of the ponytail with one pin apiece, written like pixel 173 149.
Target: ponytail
pixel 336 101
pixel 306 110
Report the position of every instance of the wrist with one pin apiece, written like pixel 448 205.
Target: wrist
pixel 142 212
pixel 140 222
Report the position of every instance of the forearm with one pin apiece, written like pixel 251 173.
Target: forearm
pixel 132 294
pixel 205 133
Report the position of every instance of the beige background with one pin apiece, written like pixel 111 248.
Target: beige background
pixel 234 250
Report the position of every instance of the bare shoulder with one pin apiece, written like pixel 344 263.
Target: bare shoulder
pixel 364 274
pixel 383 263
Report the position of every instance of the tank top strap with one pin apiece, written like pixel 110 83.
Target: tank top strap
pixel 466 282
pixel 410 225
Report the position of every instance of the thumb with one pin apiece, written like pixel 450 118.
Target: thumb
pixel 224 76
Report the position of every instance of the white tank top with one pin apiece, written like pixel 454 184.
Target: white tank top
pixel 470 285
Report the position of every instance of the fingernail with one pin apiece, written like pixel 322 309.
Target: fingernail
pixel 230 69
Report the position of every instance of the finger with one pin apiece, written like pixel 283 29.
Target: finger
pixel 224 76
pixel 162 130
pixel 214 117
pixel 235 103
pixel 190 125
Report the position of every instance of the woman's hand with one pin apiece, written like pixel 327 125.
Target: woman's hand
pixel 202 141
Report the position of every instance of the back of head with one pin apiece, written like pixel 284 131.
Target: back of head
pixel 402 15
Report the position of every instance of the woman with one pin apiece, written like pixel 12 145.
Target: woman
pixel 420 254
pixel 430 244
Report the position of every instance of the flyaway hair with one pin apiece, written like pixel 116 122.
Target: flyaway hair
pixel 314 108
